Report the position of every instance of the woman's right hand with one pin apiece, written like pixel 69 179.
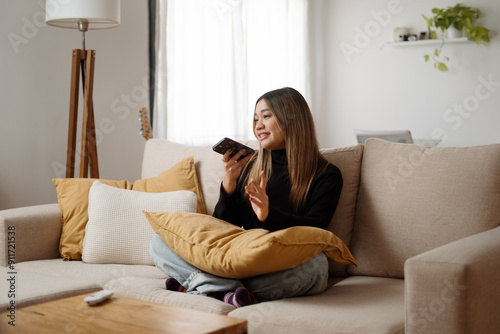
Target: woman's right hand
pixel 232 169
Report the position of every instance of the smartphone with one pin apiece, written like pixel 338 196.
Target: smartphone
pixel 228 144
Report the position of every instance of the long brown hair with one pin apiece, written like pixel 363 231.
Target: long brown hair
pixel 295 121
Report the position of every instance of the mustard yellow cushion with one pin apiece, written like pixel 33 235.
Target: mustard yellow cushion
pixel 225 250
pixel 73 198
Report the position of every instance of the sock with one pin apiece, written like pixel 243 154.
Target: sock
pixel 173 285
pixel 239 298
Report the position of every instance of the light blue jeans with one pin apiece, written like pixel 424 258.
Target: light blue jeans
pixel 309 278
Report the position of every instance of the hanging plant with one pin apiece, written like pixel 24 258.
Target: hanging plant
pixel 460 17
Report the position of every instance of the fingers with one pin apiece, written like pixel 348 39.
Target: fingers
pixel 261 186
pixel 232 169
pixel 263 180
pixel 227 156
pixel 235 160
pixel 256 192
pixel 258 197
pixel 245 159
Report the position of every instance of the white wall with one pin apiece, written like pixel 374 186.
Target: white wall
pixel 378 89
pixel 394 88
pixel 34 98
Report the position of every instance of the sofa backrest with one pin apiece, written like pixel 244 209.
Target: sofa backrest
pixel 398 200
pixel 414 198
pixel 160 155
pixel 348 160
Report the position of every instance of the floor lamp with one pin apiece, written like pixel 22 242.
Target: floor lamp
pixel 83 15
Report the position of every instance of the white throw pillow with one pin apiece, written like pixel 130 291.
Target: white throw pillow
pixel 118 231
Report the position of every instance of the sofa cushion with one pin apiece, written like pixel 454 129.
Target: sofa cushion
pixel 354 305
pixel 93 273
pixel 34 288
pixel 117 231
pixel 348 160
pixel 153 290
pixel 181 176
pixel 414 198
pixel 72 195
pixel 226 250
pixel 46 280
pixel 161 154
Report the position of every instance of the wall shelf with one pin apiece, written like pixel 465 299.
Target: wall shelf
pixel 427 42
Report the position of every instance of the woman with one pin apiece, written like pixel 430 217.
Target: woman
pixel 285 183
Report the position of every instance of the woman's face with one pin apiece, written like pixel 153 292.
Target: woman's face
pixel 266 128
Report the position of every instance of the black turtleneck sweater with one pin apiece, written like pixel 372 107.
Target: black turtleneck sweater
pixel 318 210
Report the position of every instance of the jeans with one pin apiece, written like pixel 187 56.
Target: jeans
pixel 309 278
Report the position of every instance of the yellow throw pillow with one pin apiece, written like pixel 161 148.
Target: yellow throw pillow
pixel 73 198
pixel 225 250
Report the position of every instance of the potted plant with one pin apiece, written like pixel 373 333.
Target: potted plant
pixel 457 17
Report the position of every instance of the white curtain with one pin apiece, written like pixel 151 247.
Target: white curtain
pixel 216 57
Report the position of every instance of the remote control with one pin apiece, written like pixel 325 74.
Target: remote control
pixel 98 297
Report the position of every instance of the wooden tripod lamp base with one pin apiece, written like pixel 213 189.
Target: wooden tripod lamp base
pixel 83 61
pixel 83 15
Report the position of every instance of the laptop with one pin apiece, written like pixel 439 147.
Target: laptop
pixel 403 136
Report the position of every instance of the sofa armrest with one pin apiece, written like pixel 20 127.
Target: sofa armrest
pixel 35 233
pixel 455 288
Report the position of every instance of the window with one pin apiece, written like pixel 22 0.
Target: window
pixel 216 57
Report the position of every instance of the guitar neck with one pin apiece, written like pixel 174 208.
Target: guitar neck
pixel 146 130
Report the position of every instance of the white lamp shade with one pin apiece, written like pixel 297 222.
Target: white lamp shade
pixel 99 14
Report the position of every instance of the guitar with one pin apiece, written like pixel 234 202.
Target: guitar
pixel 146 130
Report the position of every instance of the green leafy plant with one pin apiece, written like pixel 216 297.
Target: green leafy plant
pixel 459 17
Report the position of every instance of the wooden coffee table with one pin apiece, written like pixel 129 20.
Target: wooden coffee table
pixel 118 315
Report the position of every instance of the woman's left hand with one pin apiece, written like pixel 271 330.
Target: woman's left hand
pixel 258 197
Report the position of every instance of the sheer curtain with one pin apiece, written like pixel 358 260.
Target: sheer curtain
pixel 216 57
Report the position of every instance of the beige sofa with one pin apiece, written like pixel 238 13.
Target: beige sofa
pixel 422 223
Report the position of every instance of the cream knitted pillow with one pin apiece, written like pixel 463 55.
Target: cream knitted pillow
pixel 117 230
